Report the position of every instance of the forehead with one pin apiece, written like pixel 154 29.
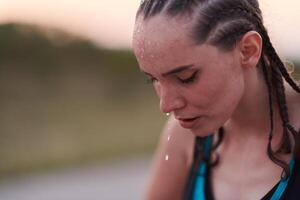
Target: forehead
pixel 160 30
pixel 161 37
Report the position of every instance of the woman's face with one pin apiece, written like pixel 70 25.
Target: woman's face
pixel 201 85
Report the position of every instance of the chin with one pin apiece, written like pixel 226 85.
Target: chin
pixel 201 132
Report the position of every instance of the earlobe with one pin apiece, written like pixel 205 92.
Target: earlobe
pixel 250 47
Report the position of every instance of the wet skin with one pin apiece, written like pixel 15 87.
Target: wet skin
pixel 200 84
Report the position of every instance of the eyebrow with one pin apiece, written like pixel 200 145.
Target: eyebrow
pixel 174 71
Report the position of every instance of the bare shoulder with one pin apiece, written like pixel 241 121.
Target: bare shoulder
pixel 178 139
pixel 171 162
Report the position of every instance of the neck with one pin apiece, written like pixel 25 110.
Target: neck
pixel 250 123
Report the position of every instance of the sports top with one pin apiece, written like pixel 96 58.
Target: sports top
pixel 198 186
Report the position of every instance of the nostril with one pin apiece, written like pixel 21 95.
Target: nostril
pixel 170 100
pixel 171 105
pixel 165 107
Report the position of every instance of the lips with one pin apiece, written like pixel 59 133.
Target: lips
pixel 188 122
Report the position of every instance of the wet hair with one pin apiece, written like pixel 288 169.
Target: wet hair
pixel 223 23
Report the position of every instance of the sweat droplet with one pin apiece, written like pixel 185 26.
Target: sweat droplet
pixel 168 114
pixel 167 157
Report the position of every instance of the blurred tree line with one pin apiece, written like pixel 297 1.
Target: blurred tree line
pixel 51 55
pixel 65 100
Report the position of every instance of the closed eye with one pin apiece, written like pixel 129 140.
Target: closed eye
pixel 188 80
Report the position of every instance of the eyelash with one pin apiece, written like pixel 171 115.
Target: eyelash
pixel 191 79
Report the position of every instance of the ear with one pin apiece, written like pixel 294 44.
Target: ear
pixel 250 47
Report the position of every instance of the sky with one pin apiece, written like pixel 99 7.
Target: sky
pixel 110 23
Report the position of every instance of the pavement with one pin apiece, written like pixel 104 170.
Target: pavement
pixel 118 180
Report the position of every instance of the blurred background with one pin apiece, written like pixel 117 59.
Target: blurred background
pixel 77 119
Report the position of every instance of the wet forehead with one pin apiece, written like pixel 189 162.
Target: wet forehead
pixel 159 34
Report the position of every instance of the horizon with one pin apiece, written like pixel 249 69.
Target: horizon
pixel 110 24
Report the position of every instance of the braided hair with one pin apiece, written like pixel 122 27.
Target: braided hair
pixel 222 23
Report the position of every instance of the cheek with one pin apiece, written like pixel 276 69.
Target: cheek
pixel 227 88
pixel 206 92
pixel 220 104
pixel 227 100
pixel 218 94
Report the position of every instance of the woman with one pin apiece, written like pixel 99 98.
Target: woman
pixel 235 111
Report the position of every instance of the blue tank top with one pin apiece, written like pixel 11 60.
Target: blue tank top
pixel 198 182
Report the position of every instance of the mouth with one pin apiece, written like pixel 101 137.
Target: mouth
pixel 188 122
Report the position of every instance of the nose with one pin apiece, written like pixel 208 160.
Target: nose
pixel 170 100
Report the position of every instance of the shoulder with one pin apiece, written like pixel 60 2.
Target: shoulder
pixel 178 139
pixel 176 145
pixel 171 162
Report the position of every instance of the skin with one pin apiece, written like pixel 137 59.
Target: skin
pixel 227 90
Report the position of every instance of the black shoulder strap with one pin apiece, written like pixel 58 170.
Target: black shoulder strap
pixel 292 191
